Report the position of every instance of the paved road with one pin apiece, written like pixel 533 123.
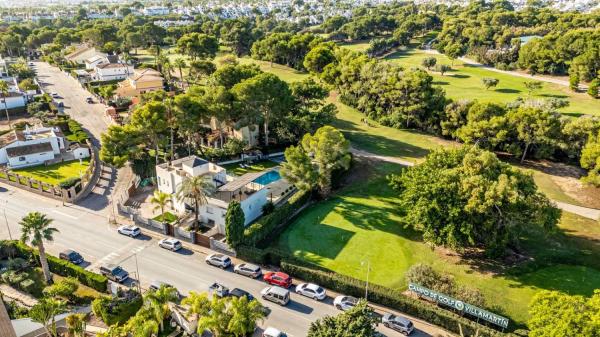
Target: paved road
pixel 91 116
pixel 90 234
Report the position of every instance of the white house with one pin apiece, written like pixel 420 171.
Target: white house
pixel 246 189
pixel 111 71
pixel 83 53
pixel 95 60
pixel 156 10
pixel 30 147
pixel 13 100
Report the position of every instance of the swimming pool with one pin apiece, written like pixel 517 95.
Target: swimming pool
pixel 268 177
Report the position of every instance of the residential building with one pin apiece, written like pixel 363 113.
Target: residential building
pixel 30 147
pixel 246 189
pixel 83 53
pixel 141 81
pixel 111 71
pixel 95 60
pixel 248 134
pixel 13 100
pixel 156 10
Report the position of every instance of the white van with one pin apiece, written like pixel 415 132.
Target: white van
pixel 276 295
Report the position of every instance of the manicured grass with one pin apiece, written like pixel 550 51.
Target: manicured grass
pixel 55 173
pixel 382 140
pixel 363 222
pixel 465 82
pixel 168 217
pixel 359 46
pixel 236 169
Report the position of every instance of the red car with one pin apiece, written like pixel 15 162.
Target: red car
pixel 278 279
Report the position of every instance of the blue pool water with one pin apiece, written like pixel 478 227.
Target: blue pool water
pixel 268 177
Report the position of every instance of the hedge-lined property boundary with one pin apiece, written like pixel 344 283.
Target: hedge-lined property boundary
pixel 384 296
pixel 64 268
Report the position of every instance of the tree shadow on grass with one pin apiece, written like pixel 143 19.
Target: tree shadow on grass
pixel 554 96
pixel 508 91
pixel 440 83
pixel 461 76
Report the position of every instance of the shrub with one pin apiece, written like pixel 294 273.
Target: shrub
pixel 282 215
pixel 63 288
pixel 389 297
pixel 17 264
pixel 269 207
pixel 27 285
pixel 116 311
pixel 69 182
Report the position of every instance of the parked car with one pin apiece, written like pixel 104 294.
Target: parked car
pixel 130 230
pixel 237 292
pixel 345 302
pixel 218 289
pixel 218 260
pixel 400 324
pixel 278 279
pixel 89 100
pixel 114 273
pixel 311 290
pixel 247 269
pixel 170 244
pixel 272 332
pixel 54 95
pixel 71 256
pixel 156 284
pixel 60 104
pixel 276 295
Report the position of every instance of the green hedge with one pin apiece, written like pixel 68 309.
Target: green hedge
pixel 267 224
pixel 62 267
pixel 390 298
pixel 116 311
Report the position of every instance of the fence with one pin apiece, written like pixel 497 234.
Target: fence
pixel 53 191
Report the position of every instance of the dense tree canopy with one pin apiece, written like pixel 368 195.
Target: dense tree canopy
pixel 359 321
pixel 467 197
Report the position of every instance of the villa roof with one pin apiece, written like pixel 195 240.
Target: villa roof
pixel 24 150
pixel 11 137
pixel 111 65
pixel 240 182
pixel 146 75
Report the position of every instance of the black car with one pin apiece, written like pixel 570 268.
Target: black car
pixel 71 256
pixel 237 292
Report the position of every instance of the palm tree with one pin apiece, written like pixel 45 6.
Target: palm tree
pixel 76 325
pixel 198 189
pixel 35 227
pixel 160 200
pixel 142 324
pixel 180 64
pixel 244 315
pixel 199 304
pixel 45 311
pixel 217 319
pixel 158 303
pixel 4 92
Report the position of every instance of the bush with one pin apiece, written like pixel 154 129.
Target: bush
pixel 390 298
pixel 27 285
pixel 17 264
pixel 60 267
pixel 116 311
pixel 63 288
pixel 282 215
pixel 69 182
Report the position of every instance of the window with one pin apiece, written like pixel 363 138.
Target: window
pixel 21 158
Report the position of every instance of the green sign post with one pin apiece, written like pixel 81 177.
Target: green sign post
pixel 459 305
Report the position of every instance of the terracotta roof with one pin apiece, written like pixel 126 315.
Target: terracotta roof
pixel 79 50
pixel 11 137
pixel 28 149
pixel 146 75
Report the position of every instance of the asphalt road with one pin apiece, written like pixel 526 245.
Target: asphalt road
pixel 90 234
pixel 84 228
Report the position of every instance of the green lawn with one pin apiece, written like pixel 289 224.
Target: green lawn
pixel 363 222
pixel 465 82
pixel 55 173
pixel 285 73
pixel 237 170
pixel 168 217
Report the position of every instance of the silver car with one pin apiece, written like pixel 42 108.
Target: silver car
pixel 218 260
pixel 131 231
pixel 247 269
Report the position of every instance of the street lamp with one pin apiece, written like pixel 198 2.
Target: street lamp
pixel 368 263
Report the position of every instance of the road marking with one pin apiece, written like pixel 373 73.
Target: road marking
pixel 65 214
pixel 103 260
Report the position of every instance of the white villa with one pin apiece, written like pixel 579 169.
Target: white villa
pixel 246 189
pixel 111 71
pixel 35 146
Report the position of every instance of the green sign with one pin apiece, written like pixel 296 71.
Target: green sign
pixel 458 305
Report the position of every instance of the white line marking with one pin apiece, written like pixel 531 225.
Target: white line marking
pixel 65 214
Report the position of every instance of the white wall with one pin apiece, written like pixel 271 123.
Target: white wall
pixel 13 102
pixel 81 152
pixel 53 141
pixel 252 206
pixel 30 160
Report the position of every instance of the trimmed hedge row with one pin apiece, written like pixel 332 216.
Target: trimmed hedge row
pixel 64 268
pixel 267 224
pixel 390 298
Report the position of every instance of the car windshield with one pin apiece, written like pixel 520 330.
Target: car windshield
pixel 352 300
pixel 74 255
pixel 320 290
pixel 117 270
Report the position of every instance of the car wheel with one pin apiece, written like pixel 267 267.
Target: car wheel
pixel 222 267
pixel 405 333
pixel 338 307
pixel 387 325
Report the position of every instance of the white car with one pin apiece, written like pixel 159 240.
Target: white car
pixel 345 302
pixel 170 244
pixel 218 260
pixel 131 231
pixel 247 269
pixel 272 332
pixel 311 290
